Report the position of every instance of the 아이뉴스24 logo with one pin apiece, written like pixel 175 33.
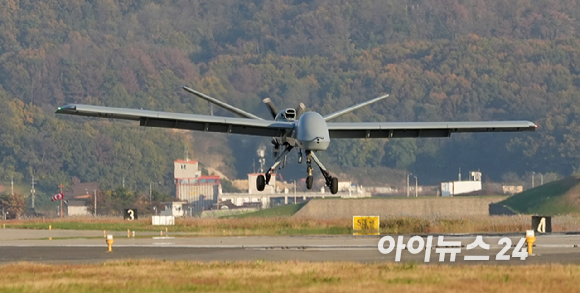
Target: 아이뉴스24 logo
pixel 417 244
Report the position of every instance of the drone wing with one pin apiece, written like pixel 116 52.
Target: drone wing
pixel 352 108
pixel 226 106
pixel 183 121
pixel 422 129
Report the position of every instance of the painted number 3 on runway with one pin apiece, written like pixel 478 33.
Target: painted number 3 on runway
pixel 416 244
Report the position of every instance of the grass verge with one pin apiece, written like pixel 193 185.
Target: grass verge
pixel 554 198
pixel 303 226
pixel 289 276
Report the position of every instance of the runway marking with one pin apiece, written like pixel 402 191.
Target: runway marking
pixel 264 247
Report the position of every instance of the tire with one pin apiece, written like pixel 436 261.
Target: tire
pixel 309 182
pixel 334 185
pixel 260 183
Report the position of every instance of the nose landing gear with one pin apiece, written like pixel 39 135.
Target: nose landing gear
pixel 309 178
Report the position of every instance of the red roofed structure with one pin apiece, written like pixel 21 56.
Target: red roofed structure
pixel 201 192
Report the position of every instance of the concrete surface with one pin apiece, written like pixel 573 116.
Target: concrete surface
pixel 33 245
pixel 397 207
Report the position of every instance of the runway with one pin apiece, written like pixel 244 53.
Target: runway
pixel 69 246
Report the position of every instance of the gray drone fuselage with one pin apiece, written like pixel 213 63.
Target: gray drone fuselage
pixel 310 132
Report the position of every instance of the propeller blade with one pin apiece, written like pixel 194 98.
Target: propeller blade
pixel 271 106
pixel 300 110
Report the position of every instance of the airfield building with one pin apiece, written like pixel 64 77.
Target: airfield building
pixel 200 192
pixel 461 187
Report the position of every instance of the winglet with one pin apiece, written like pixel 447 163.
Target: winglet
pixel 350 109
pixel 226 106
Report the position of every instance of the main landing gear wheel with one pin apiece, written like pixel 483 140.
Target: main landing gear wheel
pixel 260 183
pixel 334 185
pixel 309 181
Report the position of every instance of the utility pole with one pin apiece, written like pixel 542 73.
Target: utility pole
pixel 32 191
pixel 415 186
pixel 533 175
pixel 149 192
pixel 61 199
pixel 12 185
pixel 294 191
pixel 95 196
pixel 541 179
pixel 123 182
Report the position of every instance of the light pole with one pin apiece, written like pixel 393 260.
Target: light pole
pixel 294 191
pixel 95 196
pixel 151 184
pixel 533 175
pixel 408 174
pixel 61 199
pixel 32 191
pixel 415 186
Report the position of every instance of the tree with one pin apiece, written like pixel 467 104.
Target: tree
pixel 13 204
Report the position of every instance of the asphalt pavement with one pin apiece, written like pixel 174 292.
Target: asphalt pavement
pixel 69 246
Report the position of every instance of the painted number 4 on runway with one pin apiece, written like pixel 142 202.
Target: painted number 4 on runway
pixel 416 244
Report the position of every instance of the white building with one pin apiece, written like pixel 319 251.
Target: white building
pixel 462 187
pixel 77 208
pixel 186 169
pixel 174 208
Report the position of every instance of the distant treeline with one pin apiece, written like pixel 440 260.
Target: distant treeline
pixel 439 60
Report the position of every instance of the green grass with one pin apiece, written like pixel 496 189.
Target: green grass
pixel 274 224
pixel 279 211
pixel 548 199
pixel 81 225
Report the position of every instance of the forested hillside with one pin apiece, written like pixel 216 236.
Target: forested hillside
pixel 439 60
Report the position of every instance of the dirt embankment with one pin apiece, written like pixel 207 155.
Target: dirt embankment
pixel 409 207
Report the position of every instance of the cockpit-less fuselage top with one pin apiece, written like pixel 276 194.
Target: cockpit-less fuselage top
pixel 292 128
